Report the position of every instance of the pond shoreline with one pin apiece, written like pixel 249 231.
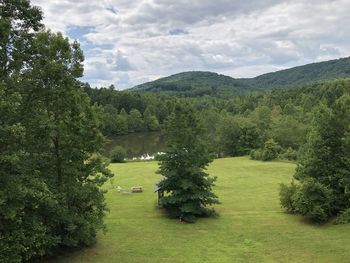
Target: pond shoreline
pixel 137 145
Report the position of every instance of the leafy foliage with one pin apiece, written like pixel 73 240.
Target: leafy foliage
pixel 324 169
pixel 289 154
pixel 50 166
pixel 118 154
pixel 269 152
pixel 238 136
pixel 344 217
pixel 287 196
pixel 188 186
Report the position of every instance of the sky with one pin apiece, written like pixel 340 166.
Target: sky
pixel 129 42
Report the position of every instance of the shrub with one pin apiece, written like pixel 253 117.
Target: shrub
pixel 287 194
pixel 313 200
pixel 344 217
pixel 118 154
pixel 289 154
pixel 256 154
pixel 270 151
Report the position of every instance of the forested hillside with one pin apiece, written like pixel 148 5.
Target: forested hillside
pixel 315 72
pixel 236 125
pixel 197 83
pixel 194 84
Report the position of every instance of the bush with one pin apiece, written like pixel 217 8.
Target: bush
pixel 270 151
pixel 118 154
pixel 256 154
pixel 287 194
pixel 289 154
pixel 313 200
pixel 344 217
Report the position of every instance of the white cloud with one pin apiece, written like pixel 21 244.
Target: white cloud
pixel 127 42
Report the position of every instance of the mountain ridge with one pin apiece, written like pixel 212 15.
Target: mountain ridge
pixel 197 83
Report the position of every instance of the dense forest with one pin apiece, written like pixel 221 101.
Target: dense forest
pixel 238 125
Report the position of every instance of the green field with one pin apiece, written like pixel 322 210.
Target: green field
pixel 251 226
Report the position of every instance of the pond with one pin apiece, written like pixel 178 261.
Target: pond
pixel 138 145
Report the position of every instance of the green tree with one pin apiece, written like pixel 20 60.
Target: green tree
pixel 18 23
pixel 150 120
pixel 114 123
pixel 60 114
pixel 262 117
pixel 288 132
pixel 238 136
pixel 110 126
pixel 26 203
pixel 135 121
pixel 188 186
pixel 51 169
pixel 121 125
pixel 211 120
pixel 324 166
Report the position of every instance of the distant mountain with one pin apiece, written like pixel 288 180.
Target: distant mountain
pixel 199 83
pixel 315 72
pixel 193 83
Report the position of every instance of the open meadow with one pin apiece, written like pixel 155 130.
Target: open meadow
pixel 251 227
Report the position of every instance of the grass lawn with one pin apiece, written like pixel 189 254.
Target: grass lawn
pixel 251 226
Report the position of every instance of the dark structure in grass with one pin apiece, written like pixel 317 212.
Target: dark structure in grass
pixel 160 192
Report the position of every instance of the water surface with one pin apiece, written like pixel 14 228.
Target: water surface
pixel 138 144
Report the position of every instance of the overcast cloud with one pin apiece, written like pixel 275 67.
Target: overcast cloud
pixel 128 42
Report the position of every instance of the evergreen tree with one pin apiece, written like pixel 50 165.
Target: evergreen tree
pixel 323 172
pixel 188 187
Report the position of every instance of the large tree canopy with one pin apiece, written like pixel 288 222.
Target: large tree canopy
pixel 50 166
pixel 18 23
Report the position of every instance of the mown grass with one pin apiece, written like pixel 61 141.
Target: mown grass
pixel 251 226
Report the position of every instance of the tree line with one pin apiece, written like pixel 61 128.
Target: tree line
pixel 265 125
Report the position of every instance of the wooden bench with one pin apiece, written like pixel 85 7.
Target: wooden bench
pixel 136 189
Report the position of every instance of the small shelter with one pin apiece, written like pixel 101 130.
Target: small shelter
pixel 160 192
